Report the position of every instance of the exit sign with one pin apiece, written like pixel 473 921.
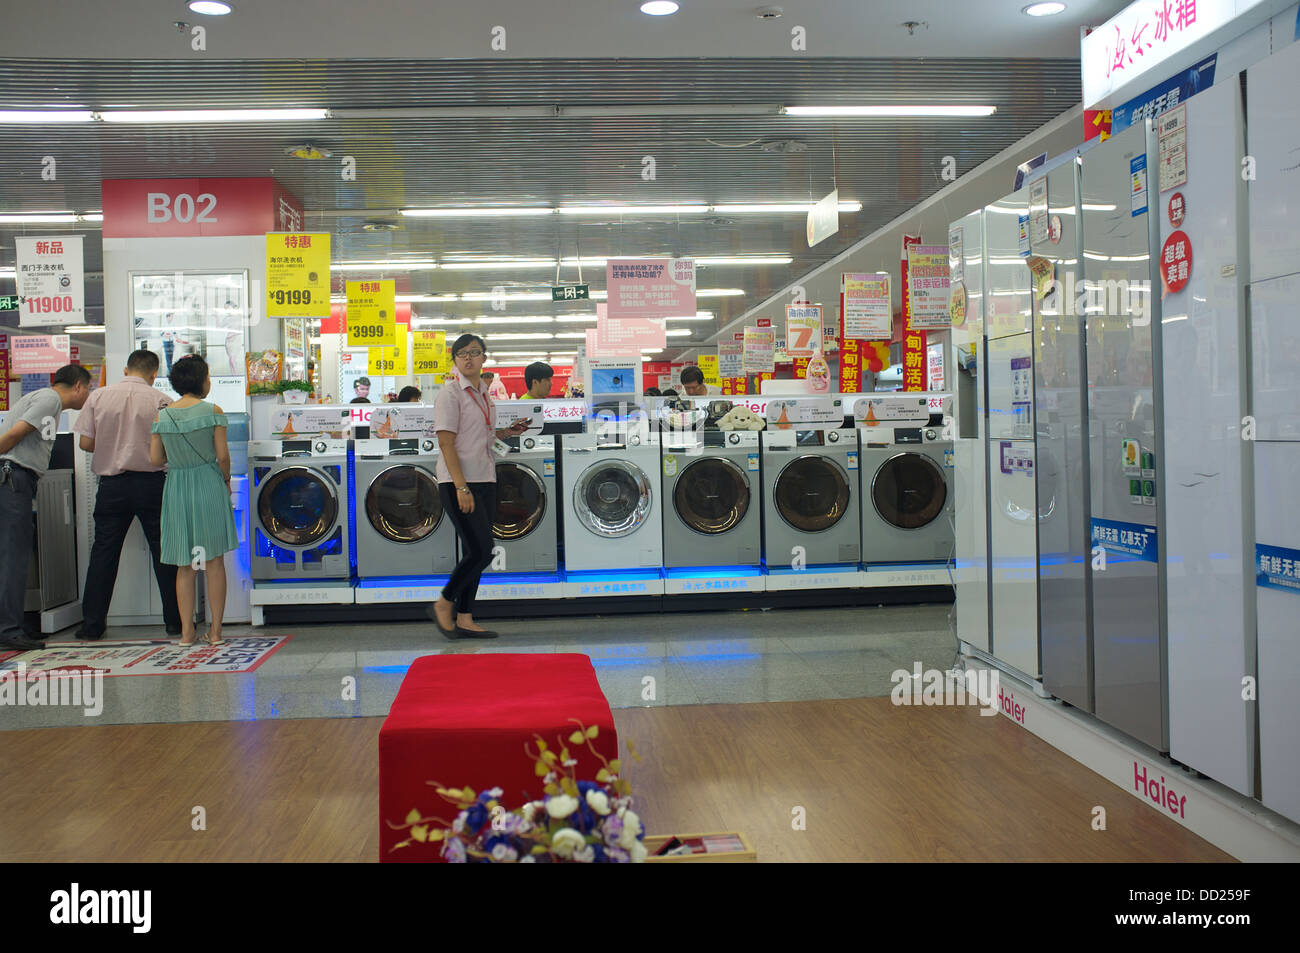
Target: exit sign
pixel 570 292
pixel 8 302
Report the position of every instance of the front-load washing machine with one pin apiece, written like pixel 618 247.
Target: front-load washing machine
pixel 907 498
pixel 810 499
pixel 611 502
pixel 711 493
pixel 401 529
pixel 299 509
pixel 525 524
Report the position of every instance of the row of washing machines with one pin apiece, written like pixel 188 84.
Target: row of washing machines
pixel 783 499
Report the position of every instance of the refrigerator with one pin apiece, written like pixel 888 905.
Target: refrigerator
pixel 1273 140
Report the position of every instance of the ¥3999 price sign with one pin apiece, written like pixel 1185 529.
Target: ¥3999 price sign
pixel 372 313
pixel 297 275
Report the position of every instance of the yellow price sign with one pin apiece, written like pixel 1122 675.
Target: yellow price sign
pixel 709 368
pixel 390 360
pixel 297 275
pixel 430 352
pixel 372 313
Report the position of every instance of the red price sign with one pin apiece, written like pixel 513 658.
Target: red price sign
pixel 1177 209
pixel 56 304
pixel 1176 262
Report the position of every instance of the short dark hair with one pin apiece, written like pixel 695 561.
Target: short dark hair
pixel 407 394
pixel 188 374
pixel 361 382
pixel 692 375
pixel 464 341
pixel 491 374
pixel 652 392
pixel 71 375
pixel 537 371
pixel 669 393
pixel 145 362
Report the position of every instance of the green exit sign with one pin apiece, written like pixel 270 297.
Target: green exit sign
pixel 570 292
pixel 8 302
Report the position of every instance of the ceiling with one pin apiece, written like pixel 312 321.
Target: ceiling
pixel 714 157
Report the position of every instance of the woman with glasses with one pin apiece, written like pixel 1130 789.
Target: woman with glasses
pixel 467 481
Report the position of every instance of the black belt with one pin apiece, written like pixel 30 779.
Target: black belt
pixel 114 476
pixel 18 466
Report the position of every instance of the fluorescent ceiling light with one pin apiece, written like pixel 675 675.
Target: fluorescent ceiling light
pixel 773 260
pixel 659 8
pixel 891 111
pixel 528 320
pixel 8 272
pixel 85 329
pixel 91 217
pixel 489 296
pixel 40 218
pixel 678 332
pixel 572 334
pixel 391 265
pixel 216 115
pixel 410 298
pixel 773 208
pixel 210 8
pixel 472 212
pixel 586 262
pixel 632 209
pixel 719 292
pixel 531 336
pixel 498 264
pixel 1043 9
pixel 424 322
pixel 697 317
pixel 574 318
pixel 56 115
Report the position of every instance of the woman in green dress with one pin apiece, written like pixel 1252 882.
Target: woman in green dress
pixel 198 523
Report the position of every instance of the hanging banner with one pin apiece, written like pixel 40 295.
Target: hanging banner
pixel 650 288
pixel 51 281
pixel 824 218
pixel 391 361
pixel 297 275
pixel 927 275
pixel 372 313
pixel 803 330
pixel 39 353
pixel 866 307
pixel 4 377
pixel 913 357
pixel 709 368
pixel 850 366
pixel 731 358
pixel 956 253
pixel 760 350
pixel 629 334
pixel 429 352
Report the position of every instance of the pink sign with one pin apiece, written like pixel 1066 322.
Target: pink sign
pixel 650 287
pixel 39 353
pixel 628 335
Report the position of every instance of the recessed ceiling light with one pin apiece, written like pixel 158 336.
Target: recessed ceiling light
pixel 1043 9
pixel 308 151
pixel 211 8
pixel 659 8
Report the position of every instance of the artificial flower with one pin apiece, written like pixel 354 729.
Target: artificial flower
pixel 598 801
pixel 453 850
pixel 566 841
pixel 562 805
pixel 638 853
pixel 505 854
pixel 631 828
pixel 584 854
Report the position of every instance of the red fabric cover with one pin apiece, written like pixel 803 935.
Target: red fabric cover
pixel 464 719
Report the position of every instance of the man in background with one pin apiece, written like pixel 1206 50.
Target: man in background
pixel 693 383
pixel 114 426
pixel 537 378
pixel 496 387
pixel 361 387
pixel 25 450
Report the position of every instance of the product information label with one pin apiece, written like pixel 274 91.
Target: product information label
pixel 1137 170
pixel 297 275
pixel 50 279
pixel 1173 148
pixel 1277 567
pixel 1131 539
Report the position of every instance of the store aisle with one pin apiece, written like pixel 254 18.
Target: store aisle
pixel 695 658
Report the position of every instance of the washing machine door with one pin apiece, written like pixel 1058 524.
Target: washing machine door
pixel 909 490
pixel 403 505
pixel 521 501
pixel 812 493
pixel 711 495
pixel 612 498
pixel 297 506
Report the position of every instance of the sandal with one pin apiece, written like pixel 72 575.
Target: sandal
pixel 208 639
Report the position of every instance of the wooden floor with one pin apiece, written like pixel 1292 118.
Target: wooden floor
pixel 877 783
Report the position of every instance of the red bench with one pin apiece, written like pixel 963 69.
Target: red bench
pixel 463 720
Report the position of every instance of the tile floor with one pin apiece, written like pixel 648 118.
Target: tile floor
pixel 641 660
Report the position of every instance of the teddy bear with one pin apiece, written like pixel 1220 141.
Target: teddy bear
pixel 741 417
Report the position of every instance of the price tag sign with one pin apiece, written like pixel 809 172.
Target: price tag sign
pixel 372 313
pixel 390 360
pixel 430 352
pixel 297 275
pixel 50 280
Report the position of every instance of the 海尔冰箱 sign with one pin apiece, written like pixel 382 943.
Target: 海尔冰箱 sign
pixel 570 292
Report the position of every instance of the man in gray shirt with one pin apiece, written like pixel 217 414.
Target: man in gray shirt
pixel 25 449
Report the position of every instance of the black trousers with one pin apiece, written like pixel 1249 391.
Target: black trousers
pixel 475 532
pixel 121 499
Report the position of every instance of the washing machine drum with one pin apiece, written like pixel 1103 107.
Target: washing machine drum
pixel 909 490
pixel 298 506
pixel 521 501
pixel 403 505
pixel 612 498
pixel 812 493
pixel 711 495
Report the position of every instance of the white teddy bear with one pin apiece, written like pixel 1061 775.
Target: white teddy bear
pixel 741 417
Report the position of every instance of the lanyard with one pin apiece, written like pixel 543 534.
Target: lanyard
pixel 487 416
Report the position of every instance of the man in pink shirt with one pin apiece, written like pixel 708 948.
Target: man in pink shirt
pixel 114 426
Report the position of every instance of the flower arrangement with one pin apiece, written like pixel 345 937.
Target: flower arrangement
pixel 575 822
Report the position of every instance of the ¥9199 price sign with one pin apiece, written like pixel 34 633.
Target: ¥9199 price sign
pixel 297 275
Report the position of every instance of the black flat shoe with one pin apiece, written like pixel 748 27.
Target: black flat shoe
pixel 449 633
pixel 472 634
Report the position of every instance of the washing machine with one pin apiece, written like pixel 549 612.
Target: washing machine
pixel 711 493
pixel 299 502
pixel 907 496
pixel 611 502
pixel 525 524
pixel 810 498
pixel 401 529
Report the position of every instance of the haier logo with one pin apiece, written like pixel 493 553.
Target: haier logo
pixel 1158 792
pixel 1007 702
pixel 102 907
